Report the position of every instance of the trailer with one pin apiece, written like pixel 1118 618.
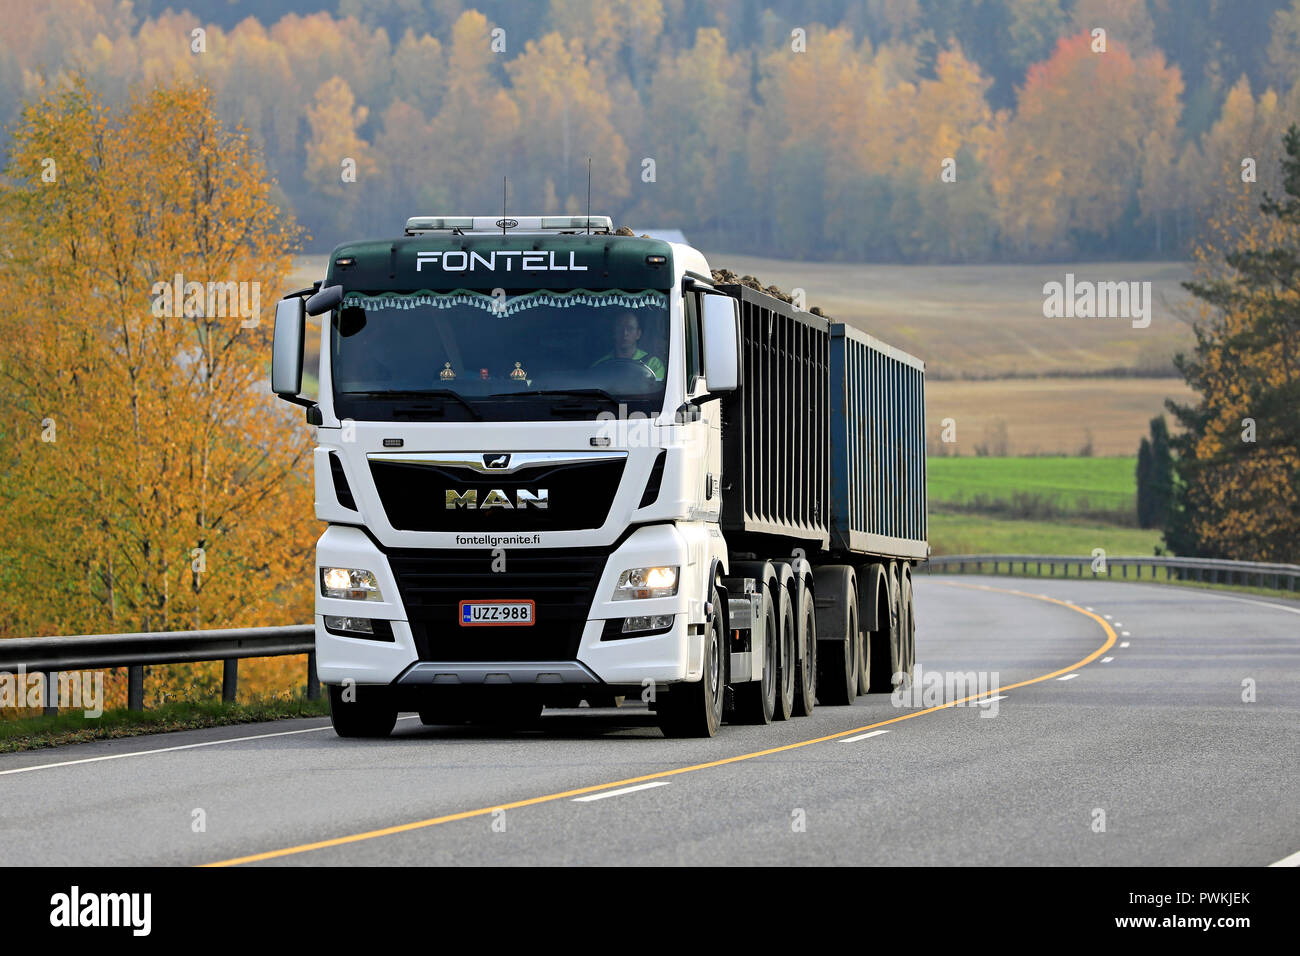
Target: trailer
pixel 559 465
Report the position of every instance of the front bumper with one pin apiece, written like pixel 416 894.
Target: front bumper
pixel 430 647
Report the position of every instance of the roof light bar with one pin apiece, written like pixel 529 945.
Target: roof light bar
pixel 516 225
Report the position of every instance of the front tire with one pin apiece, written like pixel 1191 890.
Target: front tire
pixel 369 711
pixel 695 709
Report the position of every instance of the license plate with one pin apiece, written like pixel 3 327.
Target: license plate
pixel 497 613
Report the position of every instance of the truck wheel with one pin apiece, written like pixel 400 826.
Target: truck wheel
pixel 899 672
pixel 695 710
pixel 756 699
pixel 788 662
pixel 371 714
pixel 881 642
pixel 837 624
pixel 908 615
pixel 805 694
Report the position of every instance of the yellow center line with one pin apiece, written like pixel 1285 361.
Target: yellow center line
pixel 533 801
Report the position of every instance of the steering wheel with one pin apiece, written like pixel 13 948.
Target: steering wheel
pixel 626 366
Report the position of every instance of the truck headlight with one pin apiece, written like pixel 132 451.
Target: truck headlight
pixel 637 583
pixel 351 584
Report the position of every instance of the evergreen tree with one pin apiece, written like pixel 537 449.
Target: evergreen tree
pixel 1239 462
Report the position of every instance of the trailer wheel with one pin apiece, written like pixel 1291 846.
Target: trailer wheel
pixel 370 713
pixel 908 636
pixel 788 668
pixel 695 710
pixel 756 699
pixel 837 625
pixel 805 695
pixel 883 641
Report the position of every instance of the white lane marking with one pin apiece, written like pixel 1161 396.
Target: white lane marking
pixel 1123 643
pixel 1292 860
pixel 1126 634
pixel 621 791
pixel 163 750
pixel 1225 597
pixel 1119 623
pixel 1068 677
pixel 1087 609
pixel 987 700
pixel 874 733
pixel 1106 616
pixel 1107 660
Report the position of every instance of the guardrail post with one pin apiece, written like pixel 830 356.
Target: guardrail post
pixel 230 680
pixel 1051 569
pixel 51 703
pixel 313 682
pixel 1040 568
pixel 1123 570
pixel 135 687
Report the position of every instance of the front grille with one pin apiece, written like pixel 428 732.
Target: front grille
pixel 578 496
pixel 433 583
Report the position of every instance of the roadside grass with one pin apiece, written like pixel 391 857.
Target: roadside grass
pixel 72 726
pixel 1061 573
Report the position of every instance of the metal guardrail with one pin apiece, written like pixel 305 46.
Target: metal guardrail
pixel 1209 570
pixel 51 655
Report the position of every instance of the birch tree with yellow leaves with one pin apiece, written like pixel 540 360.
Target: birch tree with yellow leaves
pixel 148 481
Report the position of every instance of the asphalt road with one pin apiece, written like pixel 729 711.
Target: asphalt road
pixel 1146 754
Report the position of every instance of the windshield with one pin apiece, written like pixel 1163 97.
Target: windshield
pixel 517 356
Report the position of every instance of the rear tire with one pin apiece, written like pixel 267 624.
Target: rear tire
pixel 370 711
pixel 908 635
pixel 788 671
pixel 695 709
pixel 883 641
pixel 805 695
pixel 837 625
pixel 756 699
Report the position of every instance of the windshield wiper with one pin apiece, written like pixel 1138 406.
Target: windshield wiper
pixel 598 393
pixel 421 393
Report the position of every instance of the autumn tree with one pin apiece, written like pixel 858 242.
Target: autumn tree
pixel 1239 457
pixel 565 116
pixel 147 479
pixel 1066 166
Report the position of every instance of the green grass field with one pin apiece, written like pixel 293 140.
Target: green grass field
pixel 1068 485
pixel 981 534
pixel 1035 506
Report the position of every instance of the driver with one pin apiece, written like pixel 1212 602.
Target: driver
pixel 627 332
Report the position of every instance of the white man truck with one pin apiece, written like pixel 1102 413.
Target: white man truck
pixel 560 464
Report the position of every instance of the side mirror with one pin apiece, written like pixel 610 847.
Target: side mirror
pixel 721 342
pixel 324 300
pixel 286 348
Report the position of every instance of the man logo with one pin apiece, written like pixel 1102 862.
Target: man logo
pixel 496 498
pixel 496 461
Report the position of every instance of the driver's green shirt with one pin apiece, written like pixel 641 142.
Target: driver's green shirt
pixel 641 355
